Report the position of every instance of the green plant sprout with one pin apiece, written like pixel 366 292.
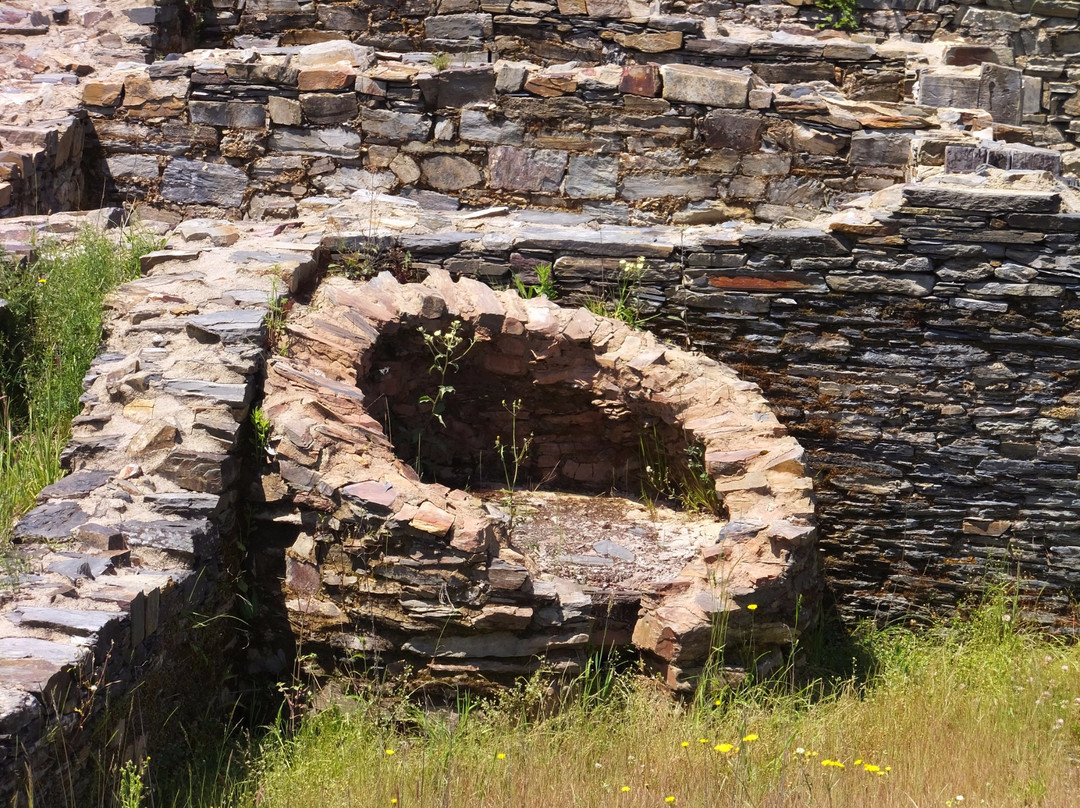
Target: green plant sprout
pixel 512 455
pixel 842 13
pixel 545 285
pixel 276 309
pixel 622 303
pixel 261 429
pixel 447 349
pixel 688 483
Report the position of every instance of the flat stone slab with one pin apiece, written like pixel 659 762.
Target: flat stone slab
pixel 232 326
pixel 923 195
pixel 52 521
pixel 74 622
pixel 75 485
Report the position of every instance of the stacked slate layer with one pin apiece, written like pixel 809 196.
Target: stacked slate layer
pixel 120 598
pixel 257 132
pixel 923 353
pixel 45 52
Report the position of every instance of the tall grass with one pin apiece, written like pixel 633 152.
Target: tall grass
pixel 973 712
pixel 51 331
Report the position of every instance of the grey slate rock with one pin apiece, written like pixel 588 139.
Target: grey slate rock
pixel 230 327
pixel 592 177
pixel 233 395
pixel 73 622
pixel 52 521
pixel 329 142
pixel 184 504
pixel 192 182
pixel 83 566
pixel 921 195
pixel 75 485
pixel 796 241
pixel 476 127
pixel 185 537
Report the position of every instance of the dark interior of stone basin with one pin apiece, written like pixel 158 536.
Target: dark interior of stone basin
pixel 584 433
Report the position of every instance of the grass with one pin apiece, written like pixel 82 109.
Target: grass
pixel 51 331
pixel 970 712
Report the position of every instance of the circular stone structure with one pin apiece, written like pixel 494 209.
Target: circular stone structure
pixel 412 571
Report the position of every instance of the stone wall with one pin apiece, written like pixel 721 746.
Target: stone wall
pixel 924 353
pixel 126 566
pixel 260 133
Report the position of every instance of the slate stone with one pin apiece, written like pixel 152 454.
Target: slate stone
pixel 613 550
pixel 388 126
pixel 131 166
pixel 446 172
pixel 194 538
pixel 329 142
pixel 232 114
pixel 796 241
pixel 732 130
pixel 231 327
pixel 193 182
pixel 592 177
pixel 75 485
pixel 378 497
pixel 879 149
pixel 458 87
pixel 477 127
pixel 948 88
pixel 38 666
pixel 52 521
pixel 1001 93
pixel 184 504
pixel 326 109
pixel 233 395
pixel 84 566
pixel 514 169
pixel 961 198
pixel 458 26
pixel 207 472
pixel 906 285
pixel 708 86
pixel 73 622
pixel 19 712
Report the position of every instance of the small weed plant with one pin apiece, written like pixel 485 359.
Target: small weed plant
pixel 843 14
pixel 687 483
pixel 132 791
pixel 512 455
pixel 447 347
pixel 276 313
pixel 544 286
pixel 621 301
pixel 261 430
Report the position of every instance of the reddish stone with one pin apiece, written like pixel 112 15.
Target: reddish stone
pixel 641 80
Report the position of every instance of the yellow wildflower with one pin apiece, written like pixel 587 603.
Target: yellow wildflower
pixel 750 738
pixel 389 751
pixel 685 744
pixel 703 740
pixel 625 789
pixel 669 799
pixel 870 767
pixel 500 756
pixel 723 747
pixel 751 606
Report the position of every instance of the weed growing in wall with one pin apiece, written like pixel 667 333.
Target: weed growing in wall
pixel 843 14
pixel 621 300
pixel 447 349
pixel 544 286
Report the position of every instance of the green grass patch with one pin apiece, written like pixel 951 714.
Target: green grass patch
pixel 51 332
pixel 969 712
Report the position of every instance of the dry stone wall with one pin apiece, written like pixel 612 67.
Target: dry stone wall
pixel 126 565
pixel 923 351
pixel 260 132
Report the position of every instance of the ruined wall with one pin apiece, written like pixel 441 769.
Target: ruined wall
pixel 118 614
pixel 925 355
